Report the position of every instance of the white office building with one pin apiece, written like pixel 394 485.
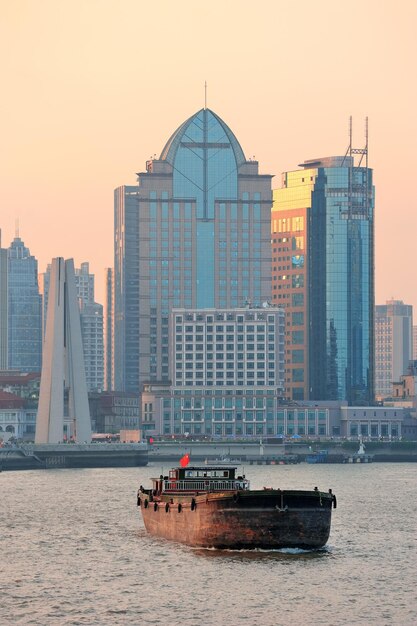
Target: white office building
pixel 227 373
pixel 393 344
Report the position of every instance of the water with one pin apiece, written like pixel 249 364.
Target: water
pixel 73 550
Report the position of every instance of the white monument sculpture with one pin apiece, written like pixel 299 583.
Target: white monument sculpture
pixel 63 363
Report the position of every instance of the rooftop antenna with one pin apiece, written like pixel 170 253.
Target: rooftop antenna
pixel 349 148
pixel 205 94
pixel 365 150
pixel 17 228
pixel 358 192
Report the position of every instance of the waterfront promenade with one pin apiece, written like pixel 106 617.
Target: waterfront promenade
pixel 260 451
pixel 49 456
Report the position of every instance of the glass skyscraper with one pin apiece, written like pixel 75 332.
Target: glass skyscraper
pixel 24 310
pixel 194 233
pixel 336 344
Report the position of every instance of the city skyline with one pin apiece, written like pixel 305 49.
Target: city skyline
pixel 81 118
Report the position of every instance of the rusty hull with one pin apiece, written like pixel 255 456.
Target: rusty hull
pixel 242 520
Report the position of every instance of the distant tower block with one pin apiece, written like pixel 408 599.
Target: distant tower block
pixel 63 363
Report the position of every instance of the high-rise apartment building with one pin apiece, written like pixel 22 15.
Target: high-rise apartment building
pixel 24 310
pixel 323 274
pixel 415 343
pixel 44 282
pixel 194 233
pixel 108 331
pixel 84 283
pixel 91 317
pixel 3 307
pixel 393 344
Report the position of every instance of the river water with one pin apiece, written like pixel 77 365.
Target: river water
pixel 73 550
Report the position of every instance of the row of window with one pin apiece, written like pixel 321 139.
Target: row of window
pixel 190 355
pixel 304 417
pixel 253 362
pixel 245 429
pixel 221 337
pixel 260 376
pixel 238 416
pixel 285 225
pixel 374 430
pixel 229 328
pixel 228 347
pixel 198 393
pixel 228 342
pixel 229 316
pixel 220 402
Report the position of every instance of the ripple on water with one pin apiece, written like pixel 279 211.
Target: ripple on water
pixel 74 551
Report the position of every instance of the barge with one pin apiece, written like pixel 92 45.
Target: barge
pixel 213 507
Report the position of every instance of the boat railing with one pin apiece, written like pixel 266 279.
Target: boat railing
pixel 205 485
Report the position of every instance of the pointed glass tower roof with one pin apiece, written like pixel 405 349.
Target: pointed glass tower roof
pixel 204 129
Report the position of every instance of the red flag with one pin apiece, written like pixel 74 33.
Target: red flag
pixel 185 460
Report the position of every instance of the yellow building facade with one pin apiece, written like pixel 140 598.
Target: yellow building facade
pixel 289 235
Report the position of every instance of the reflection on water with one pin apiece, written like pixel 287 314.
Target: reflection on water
pixel 74 551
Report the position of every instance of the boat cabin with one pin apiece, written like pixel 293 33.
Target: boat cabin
pixel 200 479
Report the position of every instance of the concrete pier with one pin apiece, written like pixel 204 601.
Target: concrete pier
pixel 61 456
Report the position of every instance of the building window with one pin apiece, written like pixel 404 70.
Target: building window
pixel 297 337
pixel 298 318
pixel 297 356
pixel 297 299
pixel 297 375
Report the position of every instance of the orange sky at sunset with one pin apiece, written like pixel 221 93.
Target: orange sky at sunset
pixel 92 88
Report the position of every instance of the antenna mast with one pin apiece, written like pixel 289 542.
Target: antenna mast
pixel 359 193
pixel 205 94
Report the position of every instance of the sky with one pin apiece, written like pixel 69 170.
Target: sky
pixel 91 89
